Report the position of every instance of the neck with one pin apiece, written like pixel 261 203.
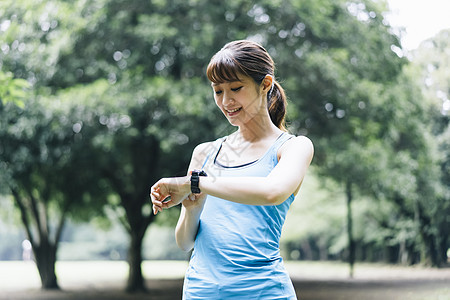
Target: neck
pixel 258 129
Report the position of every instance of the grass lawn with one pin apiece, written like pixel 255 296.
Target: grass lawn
pixel 313 281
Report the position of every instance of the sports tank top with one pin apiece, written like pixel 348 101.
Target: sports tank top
pixel 236 253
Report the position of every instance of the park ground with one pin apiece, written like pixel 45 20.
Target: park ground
pixel 105 280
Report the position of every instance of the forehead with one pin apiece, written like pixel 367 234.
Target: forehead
pixel 242 79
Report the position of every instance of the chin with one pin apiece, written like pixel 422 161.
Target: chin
pixel 234 123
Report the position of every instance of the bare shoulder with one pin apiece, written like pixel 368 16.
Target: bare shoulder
pixel 304 142
pixel 200 153
pixel 203 148
pixel 299 145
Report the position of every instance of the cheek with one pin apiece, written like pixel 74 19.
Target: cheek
pixel 218 102
pixel 256 103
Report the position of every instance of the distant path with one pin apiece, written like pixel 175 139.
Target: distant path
pixel 374 290
pixel 312 280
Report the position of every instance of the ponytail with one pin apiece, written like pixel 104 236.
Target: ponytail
pixel 277 104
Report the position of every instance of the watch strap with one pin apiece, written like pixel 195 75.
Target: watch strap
pixel 195 180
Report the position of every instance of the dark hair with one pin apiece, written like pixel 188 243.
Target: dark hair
pixel 250 59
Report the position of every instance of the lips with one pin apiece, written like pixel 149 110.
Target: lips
pixel 232 112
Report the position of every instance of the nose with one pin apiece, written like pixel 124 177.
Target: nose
pixel 227 98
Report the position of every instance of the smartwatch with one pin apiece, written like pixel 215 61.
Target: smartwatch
pixel 195 180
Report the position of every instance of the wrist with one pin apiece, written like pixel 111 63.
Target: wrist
pixel 195 180
pixel 187 184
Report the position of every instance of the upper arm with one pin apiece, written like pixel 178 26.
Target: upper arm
pixel 295 156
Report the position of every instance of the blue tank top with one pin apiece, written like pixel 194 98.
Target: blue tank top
pixel 236 253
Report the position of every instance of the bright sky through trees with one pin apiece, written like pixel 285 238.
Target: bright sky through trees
pixel 421 19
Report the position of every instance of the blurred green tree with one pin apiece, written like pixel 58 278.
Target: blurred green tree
pixel 430 65
pixel 73 53
pixel 43 165
pixel 138 67
pixel 138 129
pixel 337 76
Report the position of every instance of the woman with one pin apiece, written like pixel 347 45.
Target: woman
pixel 239 187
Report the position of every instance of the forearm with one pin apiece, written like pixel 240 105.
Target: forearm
pixel 284 180
pixel 245 190
pixel 187 228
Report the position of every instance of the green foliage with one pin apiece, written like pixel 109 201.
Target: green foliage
pixel 12 90
pixel 121 100
pixel 40 152
pixel 430 68
pixel 317 212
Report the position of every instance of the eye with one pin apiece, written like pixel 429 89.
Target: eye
pixel 218 92
pixel 236 89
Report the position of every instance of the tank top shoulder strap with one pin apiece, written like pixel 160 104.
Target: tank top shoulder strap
pixel 273 152
pixel 213 148
pixel 281 140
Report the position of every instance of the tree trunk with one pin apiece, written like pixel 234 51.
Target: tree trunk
pixel 428 249
pixel 443 242
pixel 351 241
pixel 402 253
pixel 135 278
pixel 45 254
pixel 44 251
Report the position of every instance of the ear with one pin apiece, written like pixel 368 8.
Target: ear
pixel 267 83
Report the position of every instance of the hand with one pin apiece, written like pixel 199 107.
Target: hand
pixel 168 192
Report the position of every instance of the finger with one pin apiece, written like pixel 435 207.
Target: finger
pixel 159 206
pixel 156 199
pixel 157 203
pixel 155 189
pixel 155 196
pixel 166 199
pixel 154 192
pixel 167 205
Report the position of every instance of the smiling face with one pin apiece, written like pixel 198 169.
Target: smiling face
pixel 240 101
pixel 241 74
